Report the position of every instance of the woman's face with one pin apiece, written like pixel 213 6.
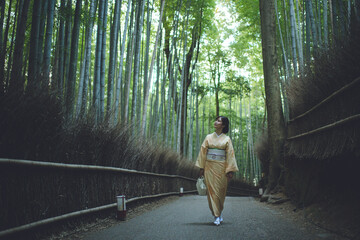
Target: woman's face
pixel 218 124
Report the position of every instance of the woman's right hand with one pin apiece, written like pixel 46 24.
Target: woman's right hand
pixel 201 173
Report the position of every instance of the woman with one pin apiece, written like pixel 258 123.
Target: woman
pixel 217 164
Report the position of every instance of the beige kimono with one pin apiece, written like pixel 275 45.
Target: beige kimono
pixel 215 170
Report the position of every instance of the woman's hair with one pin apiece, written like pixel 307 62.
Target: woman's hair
pixel 225 122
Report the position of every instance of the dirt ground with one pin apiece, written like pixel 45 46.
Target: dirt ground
pixel 337 219
pixel 340 218
pixel 77 232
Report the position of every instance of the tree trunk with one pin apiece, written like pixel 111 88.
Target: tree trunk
pixel 3 45
pixel 156 108
pixel 139 25
pixel 241 155
pixel 61 50
pixel 67 47
pixel 197 149
pixel 217 88
pixel 170 57
pixel 182 103
pixel 188 79
pixel 121 63
pixel 293 37
pixel 308 35
pixel 146 93
pixel 102 64
pixel 299 40
pixel 48 40
pixel 276 126
pixel 191 127
pixel 70 94
pixel 129 59
pixel 40 54
pixel 286 66
pixel 97 67
pixel 147 47
pixel 85 69
pixel 309 10
pixel 9 62
pixel 114 35
pixel 33 83
pixel 17 81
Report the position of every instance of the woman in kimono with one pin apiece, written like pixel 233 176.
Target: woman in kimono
pixel 217 164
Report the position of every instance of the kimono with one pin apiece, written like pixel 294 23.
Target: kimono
pixel 217 158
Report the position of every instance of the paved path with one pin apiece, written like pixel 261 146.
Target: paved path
pixel 189 218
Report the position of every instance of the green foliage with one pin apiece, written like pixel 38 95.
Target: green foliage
pixel 230 53
pixel 201 90
pixel 202 10
pixel 247 45
pixel 235 85
pixel 248 14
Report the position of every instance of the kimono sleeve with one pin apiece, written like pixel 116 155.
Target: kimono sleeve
pixel 200 162
pixel 231 165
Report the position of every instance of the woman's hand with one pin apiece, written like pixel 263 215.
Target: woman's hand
pixel 229 175
pixel 201 173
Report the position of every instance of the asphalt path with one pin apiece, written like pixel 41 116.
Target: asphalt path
pixel 189 218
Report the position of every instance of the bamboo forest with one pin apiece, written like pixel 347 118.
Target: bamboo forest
pixel 138 84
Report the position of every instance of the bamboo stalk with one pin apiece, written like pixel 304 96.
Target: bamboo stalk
pixel 326 127
pixel 157 195
pixel 327 99
pixel 84 167
pixel 79 213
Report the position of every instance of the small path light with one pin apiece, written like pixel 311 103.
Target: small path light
pixel 121 208
pixel 260 191
pixel 181 192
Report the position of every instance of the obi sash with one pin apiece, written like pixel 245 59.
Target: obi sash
pixel 216 154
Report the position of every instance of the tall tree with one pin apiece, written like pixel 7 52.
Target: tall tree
pixel 40 55
pixel 147 46
pixel 146 93
pixel 326 35
pixel 61 49
pixel 114 35
pixel 85 67
pixel 3 43
pixel 71 79
pixel 139 25
pixel 67 46
pixel 120 75
pixel 17 79
pixel 33 83
pixel 102 64
pixel 129 60
pixel 276 125
pixel 309 10
pixel 48 40
pixel 293 28
pixel 97 67
pixel 195 42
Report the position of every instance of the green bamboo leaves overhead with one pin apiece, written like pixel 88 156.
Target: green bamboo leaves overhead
pixel 307 28
pixel 151 65
pixel 95 56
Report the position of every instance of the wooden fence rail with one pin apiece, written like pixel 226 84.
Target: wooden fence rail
pixel 79 213
pixel 334 94
pixel 327 127
pixel 7 161
pixel 38 164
